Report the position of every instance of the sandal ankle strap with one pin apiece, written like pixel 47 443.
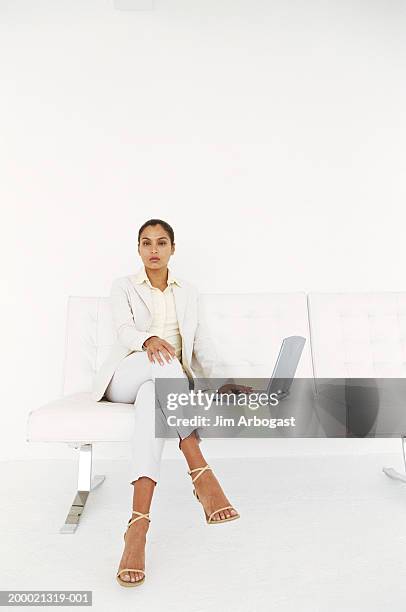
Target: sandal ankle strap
pixel 141 515
pixel 200 470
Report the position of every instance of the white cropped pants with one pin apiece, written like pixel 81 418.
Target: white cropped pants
pixel 133 382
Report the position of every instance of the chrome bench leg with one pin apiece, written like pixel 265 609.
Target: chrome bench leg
pixel 86 483
pixel 391 472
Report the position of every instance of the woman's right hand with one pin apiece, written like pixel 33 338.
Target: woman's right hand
pixel 155 346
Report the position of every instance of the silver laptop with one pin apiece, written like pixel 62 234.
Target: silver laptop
pixel 283 373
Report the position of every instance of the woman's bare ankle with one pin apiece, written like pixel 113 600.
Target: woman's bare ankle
pixel 139 528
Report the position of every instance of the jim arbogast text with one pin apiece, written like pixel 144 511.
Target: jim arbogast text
pixel 221 421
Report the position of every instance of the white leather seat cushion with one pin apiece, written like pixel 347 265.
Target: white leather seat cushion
pixel 77 417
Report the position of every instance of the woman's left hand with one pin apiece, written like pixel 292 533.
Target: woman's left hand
pixel 233 388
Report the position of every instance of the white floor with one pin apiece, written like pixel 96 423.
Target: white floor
pixel 316 534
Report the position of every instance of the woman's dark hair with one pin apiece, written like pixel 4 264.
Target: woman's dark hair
pixel 164 224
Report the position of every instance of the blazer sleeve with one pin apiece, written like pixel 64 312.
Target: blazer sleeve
pixel 123 317
pixel 205 357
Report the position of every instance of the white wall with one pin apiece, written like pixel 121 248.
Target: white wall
pixel 270 134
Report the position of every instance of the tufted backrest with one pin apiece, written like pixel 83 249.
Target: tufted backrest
pixel 358 335
pixel 89 336
pixel 247 330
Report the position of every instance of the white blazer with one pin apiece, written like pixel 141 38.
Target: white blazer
pixel 132 311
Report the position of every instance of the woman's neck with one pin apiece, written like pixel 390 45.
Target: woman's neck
pixel 158 278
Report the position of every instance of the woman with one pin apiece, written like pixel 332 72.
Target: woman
pixel 160 333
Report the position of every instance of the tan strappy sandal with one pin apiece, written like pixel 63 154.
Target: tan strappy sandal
pixel 209 520
pixel 128 583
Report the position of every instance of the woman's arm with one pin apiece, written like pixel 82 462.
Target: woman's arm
pixel 127 333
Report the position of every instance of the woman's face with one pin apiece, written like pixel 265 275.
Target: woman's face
pixel 155 247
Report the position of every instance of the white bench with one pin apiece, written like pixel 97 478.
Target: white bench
pixel 350 335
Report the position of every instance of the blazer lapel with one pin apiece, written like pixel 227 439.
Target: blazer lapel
pixel 145 294
pixel 180 296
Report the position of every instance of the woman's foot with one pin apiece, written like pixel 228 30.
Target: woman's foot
pixel 212 495
pixel 134 551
